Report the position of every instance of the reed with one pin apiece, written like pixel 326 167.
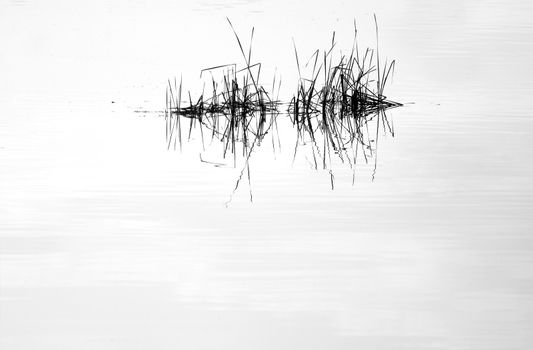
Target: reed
pixel 335 101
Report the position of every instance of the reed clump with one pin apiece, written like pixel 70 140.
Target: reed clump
pixel 332 108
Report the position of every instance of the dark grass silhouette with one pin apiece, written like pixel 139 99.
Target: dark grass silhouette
pixel 332 108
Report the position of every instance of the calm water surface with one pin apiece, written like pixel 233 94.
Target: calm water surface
pixel 110 241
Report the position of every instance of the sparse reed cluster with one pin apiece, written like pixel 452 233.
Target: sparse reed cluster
pixel 331 108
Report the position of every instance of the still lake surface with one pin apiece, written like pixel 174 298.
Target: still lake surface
pixel 110 241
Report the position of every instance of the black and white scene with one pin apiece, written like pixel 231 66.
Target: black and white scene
pixel 266 175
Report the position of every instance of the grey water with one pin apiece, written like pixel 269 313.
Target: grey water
pixel 110 240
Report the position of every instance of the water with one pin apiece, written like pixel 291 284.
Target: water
pixel 110 241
